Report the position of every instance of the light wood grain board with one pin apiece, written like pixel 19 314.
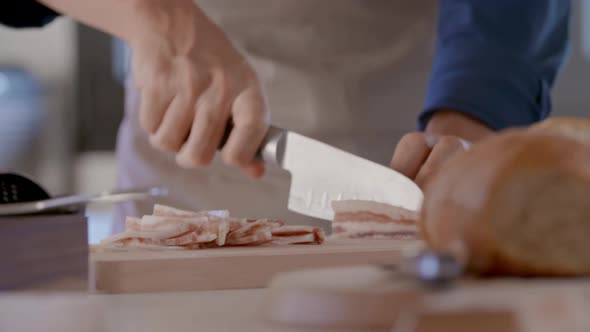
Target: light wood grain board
pixel 506 306
pixel 36 251
pixel 367 297
pixel 231 267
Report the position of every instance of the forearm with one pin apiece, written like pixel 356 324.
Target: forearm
pixel 496 60
pixel 455 123
pixel 128 20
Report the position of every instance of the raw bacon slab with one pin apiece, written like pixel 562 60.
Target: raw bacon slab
pixel 372 220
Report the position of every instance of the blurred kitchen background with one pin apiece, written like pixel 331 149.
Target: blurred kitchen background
pixel 61 101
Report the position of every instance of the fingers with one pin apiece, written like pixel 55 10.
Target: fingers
pixel 211 116
pixel 175 125
pixel 410 153
pixel 250 125
pixel 256 169
pixel 153 105
pixel 444 148
pixel 419 155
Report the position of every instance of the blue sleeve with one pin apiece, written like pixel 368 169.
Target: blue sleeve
pixel 25 13
pixel 496 60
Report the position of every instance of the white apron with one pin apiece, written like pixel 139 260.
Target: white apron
pixel 351 73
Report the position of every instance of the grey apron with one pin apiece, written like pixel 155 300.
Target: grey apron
pixel 351 73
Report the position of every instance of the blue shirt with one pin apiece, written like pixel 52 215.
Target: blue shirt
pixel 496 60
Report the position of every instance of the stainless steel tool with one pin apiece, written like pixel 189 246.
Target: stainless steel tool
pixel 430 268
pixel 20 195
pixel 321 173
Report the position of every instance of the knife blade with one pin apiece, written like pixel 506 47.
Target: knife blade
pixel 321 173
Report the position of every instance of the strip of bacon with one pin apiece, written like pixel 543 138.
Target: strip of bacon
pixel 166 226
pixel 252 239
pixel 132 224
pixel 168 211
pixel 289 230
pixel 190 238
pixel 250 229
pixel 294 239
pixel 134 244
pixel 170 228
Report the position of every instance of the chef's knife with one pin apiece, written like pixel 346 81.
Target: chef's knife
pixel 321 173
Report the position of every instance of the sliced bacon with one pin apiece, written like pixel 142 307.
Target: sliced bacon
pixel 289 230
pixel 135 244
pixel 319 235
pixel 294 239
pixel 168 211
pixel 132 224
pixel 250 229
pixel 190 238
pixel 170 228
pixel 152 237
pixel 166 226
pixel 252 239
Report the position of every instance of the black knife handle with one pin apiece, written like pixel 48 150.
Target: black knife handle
pixel 274 134
pixel 229 126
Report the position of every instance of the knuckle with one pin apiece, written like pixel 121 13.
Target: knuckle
pixel 200 159
pixel 449 141
pixel 233 158
pixel 207 116
pixel 147 124
pixel 252 118
pixel 165 143
pixel 409 140
pixel 412 137
pixel 193 159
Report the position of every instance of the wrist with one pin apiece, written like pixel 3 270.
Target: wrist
pixel 455 123
pixel 164 25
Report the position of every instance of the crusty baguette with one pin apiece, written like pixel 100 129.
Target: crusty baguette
pixel 567 126
pixel 517 203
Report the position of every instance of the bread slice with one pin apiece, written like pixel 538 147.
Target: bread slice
pixel 517 203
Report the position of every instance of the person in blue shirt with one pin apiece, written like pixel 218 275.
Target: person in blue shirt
pixel 494 66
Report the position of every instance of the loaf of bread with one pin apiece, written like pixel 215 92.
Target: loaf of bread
pixel 517 203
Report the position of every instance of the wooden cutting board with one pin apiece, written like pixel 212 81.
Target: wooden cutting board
pixel 371 298
pixel 230 267
pixel 43 250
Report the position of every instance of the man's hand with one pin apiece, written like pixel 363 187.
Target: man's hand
pixel 192 81
pixel 190 77
pixel 419 155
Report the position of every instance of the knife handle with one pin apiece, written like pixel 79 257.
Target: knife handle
pixel 272 146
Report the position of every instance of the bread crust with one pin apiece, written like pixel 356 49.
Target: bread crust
pixel 462 199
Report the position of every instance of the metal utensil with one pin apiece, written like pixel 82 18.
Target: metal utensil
pixel 321 173
pixel 21 195
pixel 433 269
